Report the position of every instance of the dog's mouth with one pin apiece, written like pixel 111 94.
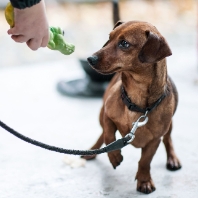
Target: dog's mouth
pixel 106 72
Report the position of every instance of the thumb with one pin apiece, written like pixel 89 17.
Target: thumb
pixel 12 31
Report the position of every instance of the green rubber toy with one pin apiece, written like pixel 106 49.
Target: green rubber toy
pixel 56 41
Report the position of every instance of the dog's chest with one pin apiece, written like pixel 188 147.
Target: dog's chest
pixel 124 123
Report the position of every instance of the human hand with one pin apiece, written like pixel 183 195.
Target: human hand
pixel 31 26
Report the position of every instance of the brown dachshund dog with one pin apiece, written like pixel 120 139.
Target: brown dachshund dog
pixel 136 51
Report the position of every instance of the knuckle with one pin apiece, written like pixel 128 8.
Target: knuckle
pixel 34 48
pixel 33 44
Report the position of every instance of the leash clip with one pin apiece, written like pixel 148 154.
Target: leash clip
pixel 131 135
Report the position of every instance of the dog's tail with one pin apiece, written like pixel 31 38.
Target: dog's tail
pixel 116 15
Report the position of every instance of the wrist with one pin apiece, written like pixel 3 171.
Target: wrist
pixel 22 4
pixel 35 11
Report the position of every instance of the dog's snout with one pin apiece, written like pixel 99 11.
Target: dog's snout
pixel 93 60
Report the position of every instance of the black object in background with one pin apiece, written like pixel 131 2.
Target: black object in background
pixel 94 84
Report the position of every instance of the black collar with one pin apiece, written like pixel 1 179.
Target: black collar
pixel 133 107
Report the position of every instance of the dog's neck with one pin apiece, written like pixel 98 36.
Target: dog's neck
pixel 146 86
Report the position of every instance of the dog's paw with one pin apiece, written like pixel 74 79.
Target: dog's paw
pixel 115 158
pixel 173 164
pixel 146 187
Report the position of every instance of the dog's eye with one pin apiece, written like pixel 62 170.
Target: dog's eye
pixel 124 44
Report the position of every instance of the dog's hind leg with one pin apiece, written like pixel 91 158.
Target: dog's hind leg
pixel 97 145
pixel 173 162
pixel 100 140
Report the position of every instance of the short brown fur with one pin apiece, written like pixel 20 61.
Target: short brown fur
pixel 141 69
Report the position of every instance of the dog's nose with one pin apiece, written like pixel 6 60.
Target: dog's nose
pixel 92 60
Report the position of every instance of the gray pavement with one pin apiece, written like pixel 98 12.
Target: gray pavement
pixel 30 104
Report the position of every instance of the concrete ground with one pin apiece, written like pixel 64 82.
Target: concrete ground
pixel 30 103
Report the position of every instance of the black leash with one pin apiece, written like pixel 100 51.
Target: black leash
pixel 118 144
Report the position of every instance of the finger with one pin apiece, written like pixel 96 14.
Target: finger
pixel 19 38
pixel 14 31
pixel 34 44
pixel 45 41
pixel 11 31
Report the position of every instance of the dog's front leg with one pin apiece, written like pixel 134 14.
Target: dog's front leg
pixel 144 180
pixel 109 130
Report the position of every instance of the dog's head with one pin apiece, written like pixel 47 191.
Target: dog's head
pixel 130 45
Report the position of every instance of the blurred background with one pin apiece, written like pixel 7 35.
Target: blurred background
pixel 87 24
pixel 31 104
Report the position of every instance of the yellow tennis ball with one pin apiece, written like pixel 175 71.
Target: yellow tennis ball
pixel 9 14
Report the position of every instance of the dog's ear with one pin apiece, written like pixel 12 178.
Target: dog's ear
pixel 117 24
pixel 155 49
